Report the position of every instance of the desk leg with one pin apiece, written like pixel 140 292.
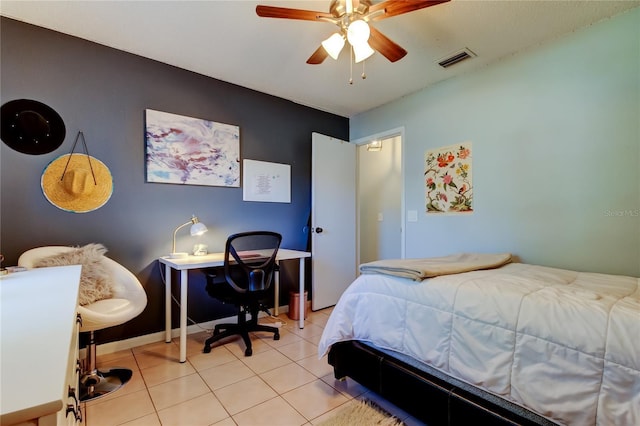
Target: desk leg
pixel 184 285
pixel 167 304
pixel 303 302
pixel 276 290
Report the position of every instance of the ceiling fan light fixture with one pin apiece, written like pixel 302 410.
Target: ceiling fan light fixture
pixel 358 32
pixel 362 51
pixel 334 44
pixel 352 18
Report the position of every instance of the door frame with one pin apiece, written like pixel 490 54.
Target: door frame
pixel 388 134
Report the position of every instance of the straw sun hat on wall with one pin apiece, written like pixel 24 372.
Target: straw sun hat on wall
pixel 77 183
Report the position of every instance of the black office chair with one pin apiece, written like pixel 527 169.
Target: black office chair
pixel 249 268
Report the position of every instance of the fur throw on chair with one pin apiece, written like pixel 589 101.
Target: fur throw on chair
pixel 95 280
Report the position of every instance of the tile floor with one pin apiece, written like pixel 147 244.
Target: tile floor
pixel 283 383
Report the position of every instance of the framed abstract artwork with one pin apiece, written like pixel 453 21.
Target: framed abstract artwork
pixel 191 151
pixel 448 183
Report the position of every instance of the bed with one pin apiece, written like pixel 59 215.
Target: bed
pixel 500 343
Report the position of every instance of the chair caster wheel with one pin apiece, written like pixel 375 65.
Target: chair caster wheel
pixel 207 349
pixel 276 336
pixel 248 352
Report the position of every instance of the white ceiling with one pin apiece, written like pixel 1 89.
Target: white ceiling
pixel 228 41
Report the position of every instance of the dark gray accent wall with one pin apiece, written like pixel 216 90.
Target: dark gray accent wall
pixel 103 92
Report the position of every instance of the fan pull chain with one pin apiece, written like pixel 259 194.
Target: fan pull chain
pixel 351 61
pixel 351 66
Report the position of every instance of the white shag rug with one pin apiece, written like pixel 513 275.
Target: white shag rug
pixel 362 413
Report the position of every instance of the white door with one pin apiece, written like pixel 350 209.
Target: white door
pixel 333 218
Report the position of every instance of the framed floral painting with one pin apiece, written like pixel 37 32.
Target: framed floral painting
pixel 191 151
pixel 449 187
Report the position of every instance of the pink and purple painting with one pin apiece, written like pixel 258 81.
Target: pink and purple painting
pixel 191 151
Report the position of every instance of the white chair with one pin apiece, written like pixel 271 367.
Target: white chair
pixel 128 301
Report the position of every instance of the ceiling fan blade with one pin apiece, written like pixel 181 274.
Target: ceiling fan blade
pixel 318 56
pixel 398 7
pixel 385 46
pixel 286 13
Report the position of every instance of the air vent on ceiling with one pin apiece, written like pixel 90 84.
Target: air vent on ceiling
pixel 456 57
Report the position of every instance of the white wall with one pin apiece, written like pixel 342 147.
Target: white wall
pixel 379 197
pixel 556 152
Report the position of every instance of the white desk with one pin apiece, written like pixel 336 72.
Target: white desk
pixel 38 311
pixel 215 260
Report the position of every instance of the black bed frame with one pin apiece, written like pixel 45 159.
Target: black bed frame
pixel 430 399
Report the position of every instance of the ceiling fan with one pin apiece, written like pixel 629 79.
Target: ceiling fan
pixel 352 18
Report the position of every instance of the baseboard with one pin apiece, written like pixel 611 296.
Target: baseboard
pixel 121 345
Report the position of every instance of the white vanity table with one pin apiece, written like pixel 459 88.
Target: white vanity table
pixel 39 347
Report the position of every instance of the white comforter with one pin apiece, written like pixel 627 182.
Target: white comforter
pixel 561 343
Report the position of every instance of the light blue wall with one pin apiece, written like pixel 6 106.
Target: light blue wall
pixel 556 152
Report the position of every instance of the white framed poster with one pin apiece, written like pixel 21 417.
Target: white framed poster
pixel 447 175
pixel 266 182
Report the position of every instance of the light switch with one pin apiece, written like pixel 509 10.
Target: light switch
pixel 380 217
pixel 412 216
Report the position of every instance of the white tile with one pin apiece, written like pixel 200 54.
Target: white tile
pixel 245 394
pixel 308 332
pixel 177 391
pixel 265 361
pixel 149 420
pixel 225 422
pixel 318 367
pixel 348 386
pixel 119 410
pixel 157 353
pixel 287 377
pixel 201 411
pixel 275 411
pixel 314 399
pixel 236 345
pixel 298 350
pixel 283 383
pixel 318 318
pixel 124 359
pixel 202 361
pixel 226 374
pixel 166 372
pixel 112 357
pixel 286 337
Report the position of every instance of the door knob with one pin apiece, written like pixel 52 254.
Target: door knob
pixel 318 230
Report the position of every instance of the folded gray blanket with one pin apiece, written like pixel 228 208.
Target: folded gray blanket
pixel 419 269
